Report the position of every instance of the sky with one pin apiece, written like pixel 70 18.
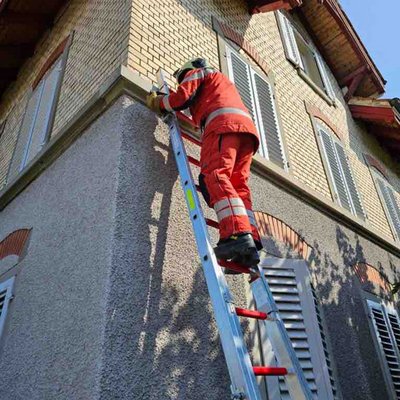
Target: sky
pixel 377 23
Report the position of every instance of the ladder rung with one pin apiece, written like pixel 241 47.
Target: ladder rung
pixel 244 312
pixel 193 161
pixel 211 222
pixel 190 138
pixel 234 266
pixel 268 371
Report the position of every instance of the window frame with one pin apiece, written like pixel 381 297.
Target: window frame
pixel 226 68
pixel 314 54
pixel 8 286
pixel 60 54
pixel 288 31
pixel 378 175
pixel 329 174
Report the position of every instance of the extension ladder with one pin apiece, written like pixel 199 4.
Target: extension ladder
pixel 242 374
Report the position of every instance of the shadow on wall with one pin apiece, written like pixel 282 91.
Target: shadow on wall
pixel 160 339
pixel 339 292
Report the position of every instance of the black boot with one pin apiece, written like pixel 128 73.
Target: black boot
pixel 238 245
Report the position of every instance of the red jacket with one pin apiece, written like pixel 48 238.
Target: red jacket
pixel 214 103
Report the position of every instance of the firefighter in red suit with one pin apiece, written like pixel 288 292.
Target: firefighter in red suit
pixel 229 140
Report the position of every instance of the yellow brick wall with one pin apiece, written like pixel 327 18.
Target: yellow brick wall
pixel 148 35
pixel 168 33
pixel 99 46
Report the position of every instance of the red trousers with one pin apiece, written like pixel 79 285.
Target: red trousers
pixel 225 163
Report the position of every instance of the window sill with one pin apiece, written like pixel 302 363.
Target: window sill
pixel 315 87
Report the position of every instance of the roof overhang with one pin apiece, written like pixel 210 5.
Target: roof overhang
pixel 337 40
pixel 382 117
pixel 22 24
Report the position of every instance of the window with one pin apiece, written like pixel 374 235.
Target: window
pixel 304 56
pixel 290 283
pixel 385 326
pixel 257 95
pixel 6 294
pixel 339 173
pixel 39 116
pixel 389 202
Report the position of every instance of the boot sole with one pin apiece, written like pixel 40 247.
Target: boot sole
pixel 245 250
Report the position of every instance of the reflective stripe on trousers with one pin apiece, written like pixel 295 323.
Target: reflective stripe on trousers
pixel 225 110
pixel 229 207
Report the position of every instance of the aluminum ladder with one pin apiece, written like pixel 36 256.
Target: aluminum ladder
pixel 242 374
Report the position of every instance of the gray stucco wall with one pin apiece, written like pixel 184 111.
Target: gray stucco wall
pixel 110 299
pixel 336 250
pixel 54 334
pixel 110 302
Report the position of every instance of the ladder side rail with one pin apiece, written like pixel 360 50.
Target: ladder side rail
pixel 244 384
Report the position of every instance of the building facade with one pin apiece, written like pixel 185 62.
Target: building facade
pixel 101 291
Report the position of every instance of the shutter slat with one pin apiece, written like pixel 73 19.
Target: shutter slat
pixel 391 205
pixel 355 197
pixel 383 321
pixel 241 79
pixel 334 169
pixel 270 133
pixel 25 132
pixel 5 297
pixel 296 329
pixel 288 39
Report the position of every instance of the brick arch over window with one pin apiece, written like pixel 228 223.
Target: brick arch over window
pixel 315 112
pixel 228 33
pixel 281 232
pixel 368 274
pixel 14 243
pixel 373 162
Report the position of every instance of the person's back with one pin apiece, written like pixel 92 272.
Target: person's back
pixel 229 141
pixel 215 93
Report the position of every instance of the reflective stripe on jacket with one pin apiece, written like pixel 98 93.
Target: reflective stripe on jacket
pixel 214 103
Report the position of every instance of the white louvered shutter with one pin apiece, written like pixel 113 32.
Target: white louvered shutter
pixel 325 77
pixel 328 359
pixel 290 286
pixel 349 179
pixel 271 139
pixel 393 211
pixel 334 169
pixel 239 73
pixel 6 294
pixel 387 340
pixel 38 118
pixel 46 109
pixel 25 132
pixel 289 40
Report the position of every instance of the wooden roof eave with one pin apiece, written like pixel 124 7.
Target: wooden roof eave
pixel 364 79
pixel 347 28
